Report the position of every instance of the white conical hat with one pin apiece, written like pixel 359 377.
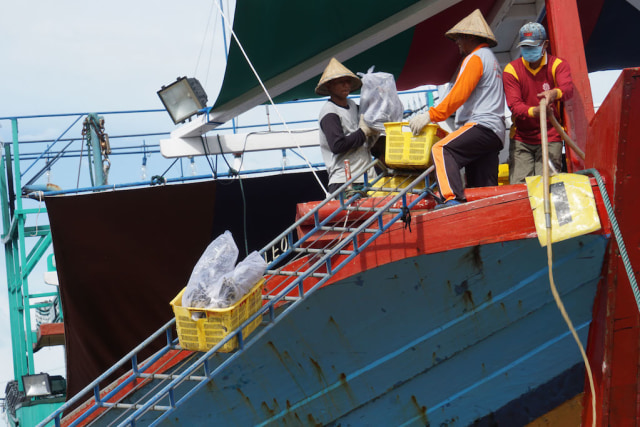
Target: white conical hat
pixel 475 25
pixel 335 70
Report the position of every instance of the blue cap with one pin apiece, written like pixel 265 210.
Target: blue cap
pixel 532 34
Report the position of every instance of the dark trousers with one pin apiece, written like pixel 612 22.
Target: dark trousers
pixel 334 187
pixel 473 147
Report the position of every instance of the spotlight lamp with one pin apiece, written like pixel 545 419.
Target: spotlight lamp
pixel 183 98
pixel 36 385
pixel 43 385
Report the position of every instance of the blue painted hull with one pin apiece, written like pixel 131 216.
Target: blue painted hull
pixel 450 338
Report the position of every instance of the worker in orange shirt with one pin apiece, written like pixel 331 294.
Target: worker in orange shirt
pixel 477 98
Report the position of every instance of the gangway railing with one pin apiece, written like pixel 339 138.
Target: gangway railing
pixel 374 221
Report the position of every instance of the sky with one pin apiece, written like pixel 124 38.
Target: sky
pixel 76 56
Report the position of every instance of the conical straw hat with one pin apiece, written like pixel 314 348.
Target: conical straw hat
pixel 335 70
pixel 475 25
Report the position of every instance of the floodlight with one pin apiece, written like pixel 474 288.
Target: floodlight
pixel 36 385
pixel 183 98
pixel 44 385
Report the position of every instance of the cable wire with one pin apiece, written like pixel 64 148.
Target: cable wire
pixel 230 28
pixel 617 233
pixel 204 39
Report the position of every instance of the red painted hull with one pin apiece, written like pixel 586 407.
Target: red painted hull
pixel 613 148
pixel 493 214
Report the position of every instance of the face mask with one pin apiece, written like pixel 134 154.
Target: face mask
pixel 531 53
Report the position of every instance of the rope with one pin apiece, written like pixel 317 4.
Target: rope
pixel 40 198
pixel 269 96
pixel 567 319
pixel 204 39
pixel 566 137
pixel 616 232
pixel 232 171
pixel 167 170
pixel 205 144
pixel 554 290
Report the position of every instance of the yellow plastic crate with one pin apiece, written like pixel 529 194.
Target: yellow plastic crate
pixel 503 174
pixel 406 151
pixel 397 181
pixel 204 333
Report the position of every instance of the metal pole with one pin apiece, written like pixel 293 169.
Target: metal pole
pixel 20 296
pixel 545 163
pixel 12 269
pixel 93 140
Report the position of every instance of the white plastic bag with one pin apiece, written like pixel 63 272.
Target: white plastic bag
pixel 218 259
pixel 379 100
pixel 237 283
pixel 248 272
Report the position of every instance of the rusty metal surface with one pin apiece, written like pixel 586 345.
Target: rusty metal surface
pixel 445 339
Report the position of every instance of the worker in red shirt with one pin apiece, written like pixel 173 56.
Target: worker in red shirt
pixel 527 80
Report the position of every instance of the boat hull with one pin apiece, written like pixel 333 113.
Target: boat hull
pixel 448 338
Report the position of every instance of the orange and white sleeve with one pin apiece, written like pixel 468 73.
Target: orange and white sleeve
pixel 468 77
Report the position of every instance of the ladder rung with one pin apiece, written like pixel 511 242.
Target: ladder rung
pixel 349 229
pixel 320 251
pixel 134 406
pixel 270 297
pixel 171 376
pixel 294 273
pixel 395 190
pixel 362 209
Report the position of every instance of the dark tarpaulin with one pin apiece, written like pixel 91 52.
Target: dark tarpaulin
pixel 123 255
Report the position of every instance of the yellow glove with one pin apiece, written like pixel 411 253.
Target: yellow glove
pixel 417 123
pixel 366 129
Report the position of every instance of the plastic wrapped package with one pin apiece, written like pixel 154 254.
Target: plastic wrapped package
pixel 218 259
pixel 238 283
pixel 248 272
pixel 379 100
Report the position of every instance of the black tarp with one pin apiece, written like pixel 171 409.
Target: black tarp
pixel 123 255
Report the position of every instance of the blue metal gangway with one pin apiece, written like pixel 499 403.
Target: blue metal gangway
pixel 365 225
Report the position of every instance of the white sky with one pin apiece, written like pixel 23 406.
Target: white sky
pixel 78 56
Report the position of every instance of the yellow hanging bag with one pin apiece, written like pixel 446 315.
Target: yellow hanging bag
pixel 573 206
